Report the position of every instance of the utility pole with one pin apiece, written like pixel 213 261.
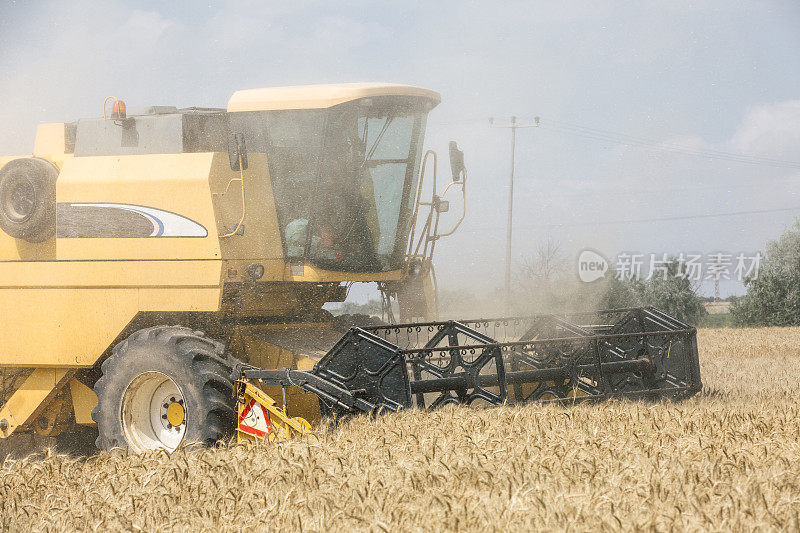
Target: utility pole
pixel 513 126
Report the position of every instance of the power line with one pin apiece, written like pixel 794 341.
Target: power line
pixel 670 145
pixel 643 191
pixel 662 147
pixel 602 135
pixel 674 218
pixel 459 122
pixel 644 220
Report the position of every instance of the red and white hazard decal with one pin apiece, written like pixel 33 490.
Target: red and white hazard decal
pixel 254 420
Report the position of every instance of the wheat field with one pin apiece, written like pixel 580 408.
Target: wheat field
pixel 728 459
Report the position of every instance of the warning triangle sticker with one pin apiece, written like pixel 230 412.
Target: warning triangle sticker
pixel 254 420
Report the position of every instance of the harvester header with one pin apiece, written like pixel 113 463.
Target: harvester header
pixel 636 352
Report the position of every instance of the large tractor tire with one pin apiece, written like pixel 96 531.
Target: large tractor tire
pixel 28 199
pixel 165 387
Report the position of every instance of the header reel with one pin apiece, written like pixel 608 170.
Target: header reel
pixel 635 352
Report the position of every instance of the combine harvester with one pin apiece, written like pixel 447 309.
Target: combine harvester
pixel 163 272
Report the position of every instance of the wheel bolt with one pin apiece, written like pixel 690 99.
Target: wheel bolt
pixel 164 417
pixel 166 405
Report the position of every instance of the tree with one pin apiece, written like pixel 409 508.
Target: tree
pixel 617 293
pixel 372 308
pixel 541 284
pixel 673 293
pixel 773 296
pixel 460 304
pixel 547 265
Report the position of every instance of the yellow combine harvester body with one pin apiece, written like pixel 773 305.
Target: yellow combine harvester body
pixel 155 225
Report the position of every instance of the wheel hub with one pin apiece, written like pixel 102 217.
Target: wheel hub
pixel 174 414
pixel 154 414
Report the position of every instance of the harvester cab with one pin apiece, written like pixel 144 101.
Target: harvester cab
pixel 164 274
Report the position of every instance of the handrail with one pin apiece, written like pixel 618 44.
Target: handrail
pixel 463 184
pixel 240 179
pixel 418 203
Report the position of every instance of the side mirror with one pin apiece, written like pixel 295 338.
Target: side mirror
pixel 456 161
pixel 237 151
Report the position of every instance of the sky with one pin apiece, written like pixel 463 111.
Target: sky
pixel 648 110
